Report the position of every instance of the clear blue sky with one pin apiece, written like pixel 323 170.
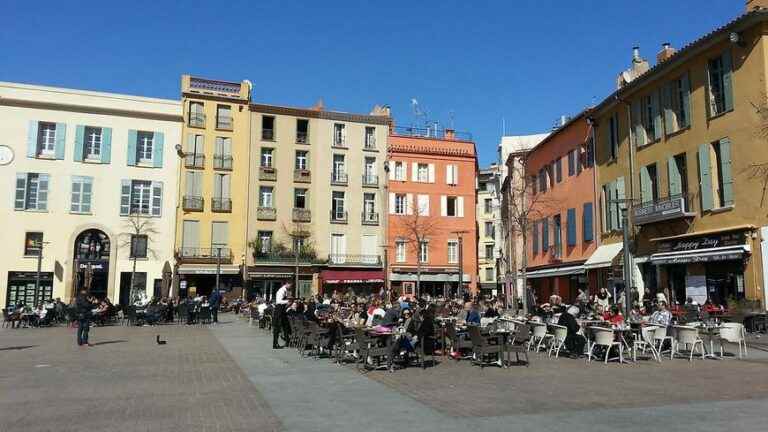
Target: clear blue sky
pixel 525 61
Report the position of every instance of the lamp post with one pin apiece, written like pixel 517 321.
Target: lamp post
pixel 218 268
pixel 39 266
pixel 627 261
pixel 459 234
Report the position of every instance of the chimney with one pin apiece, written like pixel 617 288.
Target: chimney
pixel 319 105
pixel 636 54
pixel 756 4
pixel 666 52
pixel 639 66
pixel 450 134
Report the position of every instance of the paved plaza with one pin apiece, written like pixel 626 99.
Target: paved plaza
pixel 226 378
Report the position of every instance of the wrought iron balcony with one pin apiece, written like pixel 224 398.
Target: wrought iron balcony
pixel 302 215
pixel 339 216
pixel 673 207
pixel 266 213
pixel 302 176
pixel 445 134
pixel 302 138
pixel 222 162
pixel 194 160
pixel 205 255
pixel 370 180
pixel 287 258
pixel 354 260
pixel 192 203
pixel 267 134
pixel 339 178
pixel 370 218
pixel 224 123
pixel 197 120
pixel 221 205
pixel 267 173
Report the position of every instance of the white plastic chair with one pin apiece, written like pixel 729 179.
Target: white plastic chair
pixel 559 333
pixel 604 337
pixel 646 341
pixel 733 333
pixel 539 336
pixel 659 337
pixel 689 337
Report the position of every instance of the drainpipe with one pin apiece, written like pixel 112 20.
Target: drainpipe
pixel 629 266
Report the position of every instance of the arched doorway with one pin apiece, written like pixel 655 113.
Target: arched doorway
pixel 91 259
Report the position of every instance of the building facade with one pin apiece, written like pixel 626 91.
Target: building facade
pixel 488 214
pixel 212 214
pixel 316 199
pixel 431 212
pixel 90 181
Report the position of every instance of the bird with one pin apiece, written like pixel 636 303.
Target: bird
pixel 160 342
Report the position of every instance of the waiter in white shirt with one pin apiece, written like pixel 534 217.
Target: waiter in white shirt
pixel 279 319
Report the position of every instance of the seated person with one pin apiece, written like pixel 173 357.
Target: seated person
pixel 491 312
pixel 614 316
pixel 662 317
pixel 574 342
pixel 40 314
pixel 473 315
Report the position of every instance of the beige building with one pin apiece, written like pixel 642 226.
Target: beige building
pixel 489 228
pixel 81 170
pixel 316 187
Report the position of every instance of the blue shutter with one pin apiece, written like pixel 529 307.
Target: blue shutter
pixel 587 222
pixel 42 191
pixel 545 234
pixel 157 198
pixel 132 147
pixel 79 138
pixel 19 202
pixel 32 138
pixel 61 136
pixel 725 171
pixel 571 227
pixel 106 145
pixel 727 81
pixel 125 197
pixel 705 178
pixel 157 150
pixel 535 237
pixel 571 167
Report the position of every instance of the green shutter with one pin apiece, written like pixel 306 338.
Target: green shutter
pixel 646 195
pixel 132 147
pixel 87 194
pixel 61 136
pixel 685 103
pixel 157 150
pixel 43 182
pixel 675 180
pixel 106 145
pixel 157 198
pixel 571 227
pixel 545 234
pixel 79 138
pixel 125 197
pixel 637 124
pixel 586 220
pixel 32 138
pixel 725 171
pixel 535 237
pixel 727 81
pixel 608 195
pixel 669 115
pixel 656 114
pixel 620 196
pixel 705 178
pixel 20 199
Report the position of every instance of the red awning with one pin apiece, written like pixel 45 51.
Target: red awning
pixel 352 276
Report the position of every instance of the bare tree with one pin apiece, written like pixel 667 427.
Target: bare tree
pixel 300 235
pixel 137 237
pixel 414 229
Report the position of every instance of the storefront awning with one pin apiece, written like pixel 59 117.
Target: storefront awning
pixel 208 269
pixel 724 253
pixel 428 277
pixel 555 271
pixel 352 276
pixel 603 256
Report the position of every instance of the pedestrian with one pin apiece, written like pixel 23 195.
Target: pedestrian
pixel 83 307
pixel 215 302
pixel 279 318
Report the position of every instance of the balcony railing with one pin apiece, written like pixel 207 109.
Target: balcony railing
pixel 266 213
pixel 339 178
pixel 197 120
pixel 673 207
pixel 205 255
pixel 222 162
pixel 302 215
pixel 445 134
pixel 339 216
pixel 224 123
pixel 302 176
pixel 267 134
pixel 370 180
pixel 345 259
pixel 221 205
pixel 192 203
pixel 194 160
pixel 267 173
pixel 285 258
pixel 370 218
pixel 302 138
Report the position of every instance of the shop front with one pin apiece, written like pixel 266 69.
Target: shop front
pixel 355 282
pixel 603 268
pixel 200 279
pixel 432 282
pixel 264 281
pixel 23 288
pixel 564 281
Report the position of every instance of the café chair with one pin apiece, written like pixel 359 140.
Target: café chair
pixel 689 337
pixel 559 333
pixel 539 336
pixel 646 341
pixel 660 336
pixel 604 338
pixel 733 333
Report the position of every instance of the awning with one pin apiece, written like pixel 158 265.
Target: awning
pixel 208 269
pixel 555 271
pixel 352 276
pixel 428 277
pixel 724 253
pixel 603 256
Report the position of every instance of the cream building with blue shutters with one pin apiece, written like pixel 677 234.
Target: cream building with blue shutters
pixel 78 168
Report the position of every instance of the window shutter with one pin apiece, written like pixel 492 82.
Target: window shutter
pixel 106 145
pixel 424 205
pixel 190 143
pixel 455 174
pixel 21 191
pixel 227 146
pixel 645 185
pixel 605 217
pixel 131 148
pixel 61 135
pixel 409 204
pixel 637 123
pixel 448 175
pixel 32 138
pixel 391 202
pixel 705 178
pixel 620 195
pixel 443 205
pixel 391 165
pixel 87 194
pixel 79 138
pixel 587 222
pixel 157 198
pixel 460 204
pixel 42 191
pixel 656 114
pixel 685 102
pixel 125 197
pixel 571 227
pixel 545 234
pixel 414 171
pixel 725 171
pixel 727 81
pixel 431 173
pixel 669 115
pixel 535 237
pixel 157 150
pixel 344 134
pixel 571 165
pixel 226 186
pixel 675 181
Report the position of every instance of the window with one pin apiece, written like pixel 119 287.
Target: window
pixel 570 227
pixel 222 158
pixel 590 156
pixel 92 143
pixel 220 237
pixel 399 251
pixel 490 232
pixel 224 117
pixel 452 174
pixel 369 207
pixel 424 251
pixel 422 171
pixel 557 227
pixel 558 169
pixel 571 163
pixel 337 205
pixel 139 245
pixel 302 159
pixel 298 245
pixel 300 198
pixel 549 169
pixel 586 221
pixel 649 184
pixel 544 234
pixel 451 208
pixel 542 180
pixel 31 192
pixel 339 172
pixel 339 135
pixel 33 242
pixel 676 97
pixel 266 157
pixel 46 138
pixel 264 245
pixel 401 204
pixel 144 145
pixel 265 196
pixel 678 176
pixel 399 171
pixel 715 174
pixel 195 155
pixel 221 185
pixel 369 171
pixel 535 237
pixel 613 136
pixel 302 131
pixel 489 274
pixel 533 180
pixel 370 137
pixel 82 191
pixel 489 251
pixel 720 86
pixel 488 205
pixel 453 251
pixel 613 201
pixel 141 197
pixel 196 114
pixel 267 128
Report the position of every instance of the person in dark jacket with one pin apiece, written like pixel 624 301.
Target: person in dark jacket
pixel 574 342
pixel 215 302
pixel 83 306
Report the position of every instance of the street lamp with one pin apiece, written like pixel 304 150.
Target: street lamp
pixel 460 289
pixel 627 261
pixel 39 265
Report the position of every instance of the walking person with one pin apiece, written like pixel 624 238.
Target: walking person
pixel 215 303
pixel 83 306
pixel 279 318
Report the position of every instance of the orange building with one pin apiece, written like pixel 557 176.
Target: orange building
pixel 431 211
pixel 561 172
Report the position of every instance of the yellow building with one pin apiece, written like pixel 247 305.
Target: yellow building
pixel 680 143
pixel 212 209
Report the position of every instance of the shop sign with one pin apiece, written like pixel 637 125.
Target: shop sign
pixel 660 210
pixel 705 242
pixel 100 266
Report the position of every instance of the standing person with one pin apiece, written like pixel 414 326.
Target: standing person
pixel 279 318
pixel 83 307
pixel 215 302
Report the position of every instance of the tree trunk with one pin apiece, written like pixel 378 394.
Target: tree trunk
pixel 418 276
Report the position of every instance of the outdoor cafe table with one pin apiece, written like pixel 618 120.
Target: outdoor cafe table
pixel 710 332
pixel 502 338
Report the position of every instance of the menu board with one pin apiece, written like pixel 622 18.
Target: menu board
pixel 696 288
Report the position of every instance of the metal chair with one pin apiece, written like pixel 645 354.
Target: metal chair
pixel 689 337
pixel 660 336
pixel 559 334
pixel 733 333
pixel 646 341
pixel 604 338
pixel 368 346
pixel 482 347
pixel 539 336
pixel 458 342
